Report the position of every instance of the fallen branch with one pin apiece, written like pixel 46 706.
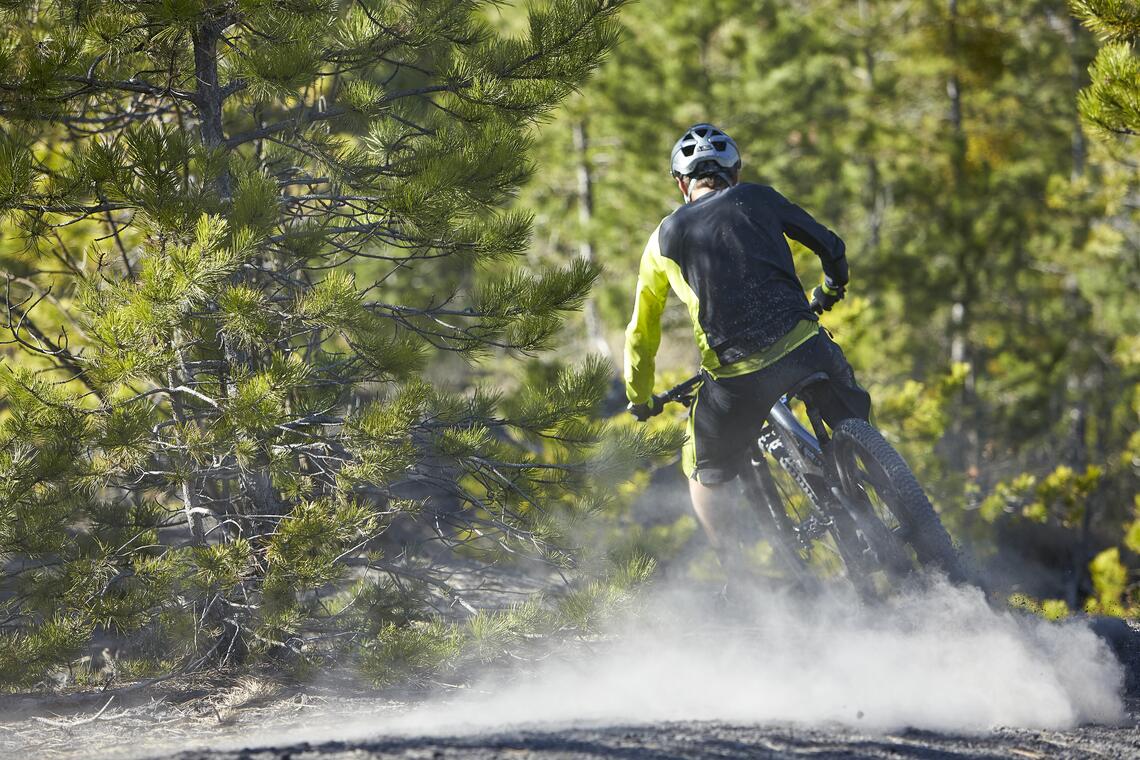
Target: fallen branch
pixel 80 722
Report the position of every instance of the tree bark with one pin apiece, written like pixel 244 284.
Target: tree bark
pixel 208 96
pixel 874 200
pixel 595 335
pixel 1078 387
pixel 1077 73
pixel 964 451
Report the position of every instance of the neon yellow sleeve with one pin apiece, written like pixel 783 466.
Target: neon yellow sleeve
pixel 643 335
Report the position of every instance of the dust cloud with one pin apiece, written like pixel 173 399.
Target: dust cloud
pixel 938 659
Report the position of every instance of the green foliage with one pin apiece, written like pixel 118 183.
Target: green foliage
pixel 253 257
pixel 1110 578
pixel 25 655
pixel 1050 609
pixel 1110 103
pixel 1062 495
pixel 381 435
pixel 589 607
pixel 1117 20
pixel 1132 531
pixel 303 552
pixel 245 321
pixel 992 250
pixel 430 649
pixel 400 653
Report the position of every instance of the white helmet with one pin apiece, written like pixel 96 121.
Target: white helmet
pixel 703 151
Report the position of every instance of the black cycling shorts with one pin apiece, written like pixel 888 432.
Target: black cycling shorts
pixel 728 413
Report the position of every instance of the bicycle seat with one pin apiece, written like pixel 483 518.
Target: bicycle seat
pixel 812 379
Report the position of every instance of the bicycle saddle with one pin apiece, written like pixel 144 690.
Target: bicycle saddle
pixel 812 379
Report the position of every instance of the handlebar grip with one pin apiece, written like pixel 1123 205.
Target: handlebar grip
pixel 681 394
pixel 644 412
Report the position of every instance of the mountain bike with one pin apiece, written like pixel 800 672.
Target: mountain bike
pixel 862 503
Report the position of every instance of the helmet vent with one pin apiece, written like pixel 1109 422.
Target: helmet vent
pixel 704 144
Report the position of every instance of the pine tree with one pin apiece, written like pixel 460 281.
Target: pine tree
pixel 239 234
pixel 1110 106
pixel 1110 103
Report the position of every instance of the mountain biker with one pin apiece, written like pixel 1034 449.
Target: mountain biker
pixel 724 254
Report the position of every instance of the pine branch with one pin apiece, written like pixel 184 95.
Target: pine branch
pixel 316 115
pixel 92 85
pixel 21 319
pixel 73 208
pixel 1111 20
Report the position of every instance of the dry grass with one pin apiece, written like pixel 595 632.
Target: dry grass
pixel 248 691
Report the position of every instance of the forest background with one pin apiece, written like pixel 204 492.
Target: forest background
pixel 991 232
pixel 294 368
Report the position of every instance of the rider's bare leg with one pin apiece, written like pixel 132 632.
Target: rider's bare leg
pixel 714 506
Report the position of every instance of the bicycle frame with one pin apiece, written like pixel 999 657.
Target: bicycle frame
pixel 782 422
pixel 807 457
pixel 816 473
pixel 799 453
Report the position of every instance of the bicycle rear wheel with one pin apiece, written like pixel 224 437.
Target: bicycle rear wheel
pixel 878 481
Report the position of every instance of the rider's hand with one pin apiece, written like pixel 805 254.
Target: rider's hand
pixel 644 411
pixel 824 297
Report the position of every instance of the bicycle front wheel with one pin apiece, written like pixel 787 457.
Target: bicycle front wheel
pixel 877 480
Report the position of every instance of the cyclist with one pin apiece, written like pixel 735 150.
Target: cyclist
pixel 724 254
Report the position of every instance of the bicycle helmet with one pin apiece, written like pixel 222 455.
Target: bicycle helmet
pixel 704 151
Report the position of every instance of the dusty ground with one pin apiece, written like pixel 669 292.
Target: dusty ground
pixel 257 720
pixel 167 735
pixel 719 740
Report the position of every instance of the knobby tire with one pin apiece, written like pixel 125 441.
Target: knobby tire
pixel 899 489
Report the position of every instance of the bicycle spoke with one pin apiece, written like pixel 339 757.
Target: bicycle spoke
pixel 891 486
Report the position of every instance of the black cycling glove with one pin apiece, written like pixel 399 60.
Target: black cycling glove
pixel 644 411
pixel 825 296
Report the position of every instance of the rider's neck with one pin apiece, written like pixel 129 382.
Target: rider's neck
pixel 699 191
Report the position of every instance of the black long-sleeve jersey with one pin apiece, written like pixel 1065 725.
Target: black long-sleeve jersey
pixel 726 257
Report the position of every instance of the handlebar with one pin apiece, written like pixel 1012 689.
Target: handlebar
pixel 682 393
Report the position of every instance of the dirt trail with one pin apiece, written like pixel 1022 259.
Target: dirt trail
pixel 258 722
pixel 668 741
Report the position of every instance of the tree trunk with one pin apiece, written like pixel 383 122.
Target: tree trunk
pixel 874 199
pixel 1078 386
pixel 964 451
pixel 595 334
pixel 1077 73
pixel 209 98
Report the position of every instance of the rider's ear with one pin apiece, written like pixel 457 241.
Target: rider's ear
pixel 683 185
